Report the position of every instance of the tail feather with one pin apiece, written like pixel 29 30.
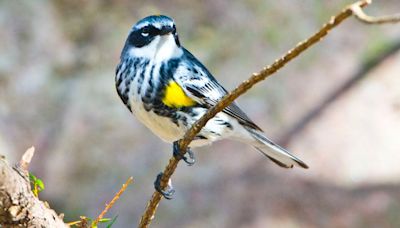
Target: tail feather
pixel 275 152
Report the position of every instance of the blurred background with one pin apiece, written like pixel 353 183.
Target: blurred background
pixel 337 107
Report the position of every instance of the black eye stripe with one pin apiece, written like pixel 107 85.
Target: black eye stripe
pixel 146 33
pixel 145 29
pixel 150 29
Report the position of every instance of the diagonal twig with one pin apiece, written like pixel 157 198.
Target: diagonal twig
pixel 153 203
pixel 111 203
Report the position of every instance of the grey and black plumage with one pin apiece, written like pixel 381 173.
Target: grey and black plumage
pixel 168 89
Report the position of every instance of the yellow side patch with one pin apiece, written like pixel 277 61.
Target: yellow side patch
pixel 175 97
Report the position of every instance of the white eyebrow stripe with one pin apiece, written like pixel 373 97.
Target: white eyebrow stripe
pixel 157 25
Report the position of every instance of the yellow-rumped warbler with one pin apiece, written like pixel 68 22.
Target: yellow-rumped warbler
pixel 168 89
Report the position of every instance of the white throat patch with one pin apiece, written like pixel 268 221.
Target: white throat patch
pixel 160 49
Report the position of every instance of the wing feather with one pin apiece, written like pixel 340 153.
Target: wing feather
pixel 202 87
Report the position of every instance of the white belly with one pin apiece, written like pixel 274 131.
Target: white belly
pixel 168 131
pixel 163 127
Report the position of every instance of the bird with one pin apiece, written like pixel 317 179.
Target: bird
pixel 168 89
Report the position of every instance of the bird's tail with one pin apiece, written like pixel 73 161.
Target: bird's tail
pixel 273 151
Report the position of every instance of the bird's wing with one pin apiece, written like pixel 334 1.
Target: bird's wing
pixel 201 86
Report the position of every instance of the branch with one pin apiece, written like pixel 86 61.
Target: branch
pixel 359 13
pixel 354 9
pixel 18 205
pixel 111 203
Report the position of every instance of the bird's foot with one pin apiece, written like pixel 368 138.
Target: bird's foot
pixel 169 190
pixel 191 160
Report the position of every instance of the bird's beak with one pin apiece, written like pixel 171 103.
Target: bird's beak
pixel 166 30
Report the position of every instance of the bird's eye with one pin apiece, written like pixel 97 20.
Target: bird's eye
pixel 145 34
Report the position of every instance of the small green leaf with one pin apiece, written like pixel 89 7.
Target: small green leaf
pixel 103 220
pixel 37 183
pixel 32 178
pixel 40 184
pixel 112 222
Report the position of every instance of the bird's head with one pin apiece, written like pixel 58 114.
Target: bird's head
pixel 154 37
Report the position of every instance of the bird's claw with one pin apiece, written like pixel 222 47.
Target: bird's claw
pixel 169 190
pixel 191 160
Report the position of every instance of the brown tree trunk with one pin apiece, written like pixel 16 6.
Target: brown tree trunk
pixel 18 205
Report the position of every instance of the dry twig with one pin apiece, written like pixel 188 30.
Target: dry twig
pixel 359 13
pixel 350 10
pixel 111 203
